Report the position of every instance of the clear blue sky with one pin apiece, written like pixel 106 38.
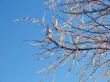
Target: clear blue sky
pixel 16 62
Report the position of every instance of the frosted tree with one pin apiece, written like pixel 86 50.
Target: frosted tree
pixel 78 32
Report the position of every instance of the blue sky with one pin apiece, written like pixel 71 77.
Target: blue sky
pixel 16 61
